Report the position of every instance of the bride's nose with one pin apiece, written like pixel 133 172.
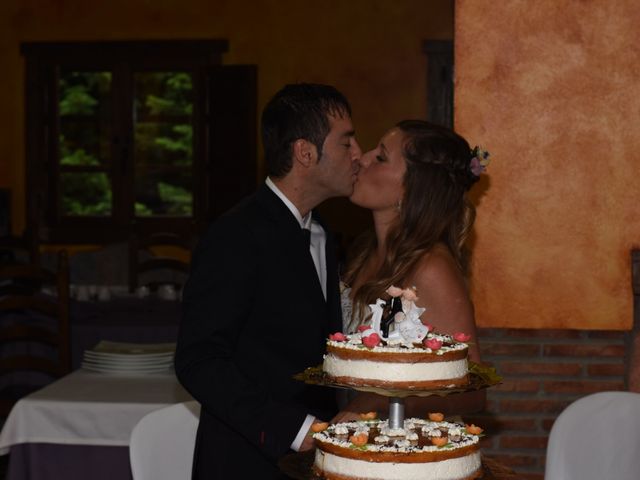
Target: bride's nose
pixel 366 159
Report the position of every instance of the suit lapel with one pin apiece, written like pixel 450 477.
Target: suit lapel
pixel 291 242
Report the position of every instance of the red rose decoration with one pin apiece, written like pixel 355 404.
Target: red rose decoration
pixel 337 337
pixel 363 328
pixel 461 337
pixel 433 344
pixel 371 340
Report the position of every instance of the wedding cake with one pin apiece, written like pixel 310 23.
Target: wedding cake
pixel 403 354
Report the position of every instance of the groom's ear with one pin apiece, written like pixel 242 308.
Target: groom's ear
pixel 304 152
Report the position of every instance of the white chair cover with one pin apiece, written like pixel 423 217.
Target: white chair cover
pixel 595 438
pixel 162 443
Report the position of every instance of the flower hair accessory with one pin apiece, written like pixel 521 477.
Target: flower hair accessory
pixel 479 160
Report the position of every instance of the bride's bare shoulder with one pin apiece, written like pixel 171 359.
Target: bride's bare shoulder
pixel 438 266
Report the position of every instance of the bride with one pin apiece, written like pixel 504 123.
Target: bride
pixel 415 183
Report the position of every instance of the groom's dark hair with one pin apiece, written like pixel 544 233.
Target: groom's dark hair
pixel 298 111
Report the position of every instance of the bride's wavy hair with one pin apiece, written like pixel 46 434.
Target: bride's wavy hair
pixel 434 210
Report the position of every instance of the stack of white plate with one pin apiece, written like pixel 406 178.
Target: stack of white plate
pixel 129 358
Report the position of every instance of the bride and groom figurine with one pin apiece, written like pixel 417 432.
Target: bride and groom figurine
pixel 401 324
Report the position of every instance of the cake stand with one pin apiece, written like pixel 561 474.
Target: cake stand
pixel 480 376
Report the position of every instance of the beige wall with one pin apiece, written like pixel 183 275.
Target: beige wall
pixel 552 89
pixel 370 49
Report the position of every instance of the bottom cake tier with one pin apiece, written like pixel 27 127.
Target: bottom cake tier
pixel 422 450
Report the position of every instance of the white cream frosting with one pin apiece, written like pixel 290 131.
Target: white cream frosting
pixel 451 469
pixel 394 372
pixel 354 342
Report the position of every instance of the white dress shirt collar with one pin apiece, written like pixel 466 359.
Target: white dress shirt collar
pixel 305 222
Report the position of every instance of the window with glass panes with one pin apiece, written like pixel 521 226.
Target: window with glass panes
pixel 144 136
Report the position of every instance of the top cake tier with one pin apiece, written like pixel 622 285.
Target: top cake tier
pixel 439 361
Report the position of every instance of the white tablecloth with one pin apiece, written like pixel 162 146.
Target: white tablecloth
pixel 85 408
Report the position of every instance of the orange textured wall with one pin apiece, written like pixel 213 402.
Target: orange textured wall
pixel 370 49
pixel 552 89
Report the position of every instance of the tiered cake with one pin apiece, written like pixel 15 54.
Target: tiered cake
pixel 397 353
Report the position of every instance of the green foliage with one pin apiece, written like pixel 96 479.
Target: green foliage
pixel 75 157
pixel 86 194
pixel 163 137
pixel 178 198
pixel 78 92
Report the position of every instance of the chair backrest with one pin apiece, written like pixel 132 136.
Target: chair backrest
pixel 163 442
pixel 596 437
pixel 34 328
pixel 21 249
pixel 149 269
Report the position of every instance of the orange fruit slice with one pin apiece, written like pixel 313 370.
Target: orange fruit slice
pixel 319 427
pixel 439 441
pixel 359 440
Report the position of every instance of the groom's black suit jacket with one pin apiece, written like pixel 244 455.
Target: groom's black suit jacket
pixel 254 315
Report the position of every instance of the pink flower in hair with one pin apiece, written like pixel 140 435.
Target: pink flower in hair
pixel 476 167
pixel 479 160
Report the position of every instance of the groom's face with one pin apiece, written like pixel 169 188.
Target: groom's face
pixel 337 168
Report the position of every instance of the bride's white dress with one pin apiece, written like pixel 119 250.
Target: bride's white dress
pixel 347 306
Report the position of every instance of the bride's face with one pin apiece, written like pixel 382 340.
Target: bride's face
pixel 379 184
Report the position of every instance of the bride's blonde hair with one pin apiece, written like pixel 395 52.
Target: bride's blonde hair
pixel 434 210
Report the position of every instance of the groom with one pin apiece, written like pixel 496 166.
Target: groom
pixel 263 294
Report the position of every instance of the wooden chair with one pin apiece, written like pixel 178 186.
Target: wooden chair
pixel 147 268
pixel 34 328
pixel 19 249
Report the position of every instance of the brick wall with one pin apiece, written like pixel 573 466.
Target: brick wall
pixel 543 371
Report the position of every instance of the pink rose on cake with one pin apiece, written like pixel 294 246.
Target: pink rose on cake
pixel 372 340
pixel 461 337
pixel 433 344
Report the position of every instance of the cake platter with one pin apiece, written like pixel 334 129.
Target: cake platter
pixel 480 376
pixel 298 466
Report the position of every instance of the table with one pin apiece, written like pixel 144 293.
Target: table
pixel 79 426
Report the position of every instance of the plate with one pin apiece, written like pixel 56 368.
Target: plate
pixel 124 363
pixel 480 376
pixel 131 359
pixel 124 371
pixel 119 348
pixel 131 356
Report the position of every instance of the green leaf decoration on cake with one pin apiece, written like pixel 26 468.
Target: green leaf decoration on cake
pixel 487 374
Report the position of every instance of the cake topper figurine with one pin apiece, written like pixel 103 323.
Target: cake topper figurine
pixel 377 309
pixel 402 324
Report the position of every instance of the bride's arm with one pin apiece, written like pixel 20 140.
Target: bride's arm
pixel 442 291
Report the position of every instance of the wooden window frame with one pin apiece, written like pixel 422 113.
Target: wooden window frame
pixel 43 63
